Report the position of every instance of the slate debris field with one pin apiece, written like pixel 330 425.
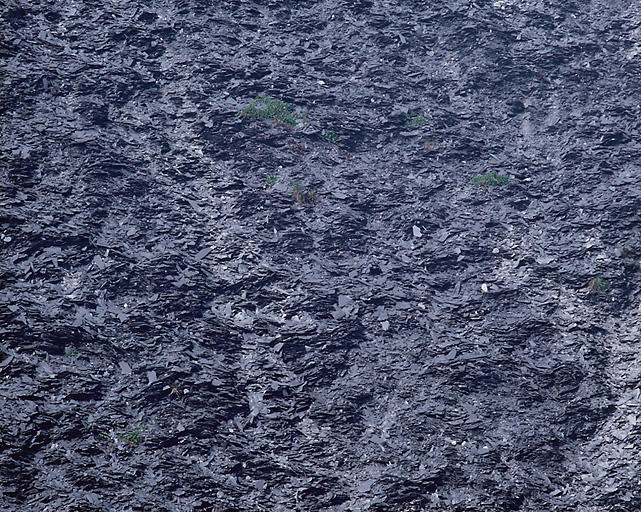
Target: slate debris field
pixel 417 290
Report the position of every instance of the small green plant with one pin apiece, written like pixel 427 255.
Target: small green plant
pixel 266 107
pixel 134 436
pixel 414 120
pixel 270 181
pixel 598 284
pixel 491 179
pixel 331 136
pixel 303 195
pixel 71 352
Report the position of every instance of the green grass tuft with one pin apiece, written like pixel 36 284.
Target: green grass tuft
pixel 491 179
pixel 266 107
pixel 331 136
pixel 415 121
pixel 135 435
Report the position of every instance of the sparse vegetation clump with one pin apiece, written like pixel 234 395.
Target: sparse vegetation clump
pixel 135 435
pixel 491 179
pixel 303 195
pixel 266 107
pixel 331 136
pixel 415 120
pixel 598 284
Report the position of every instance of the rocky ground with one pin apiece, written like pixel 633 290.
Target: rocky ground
pixel 320 256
